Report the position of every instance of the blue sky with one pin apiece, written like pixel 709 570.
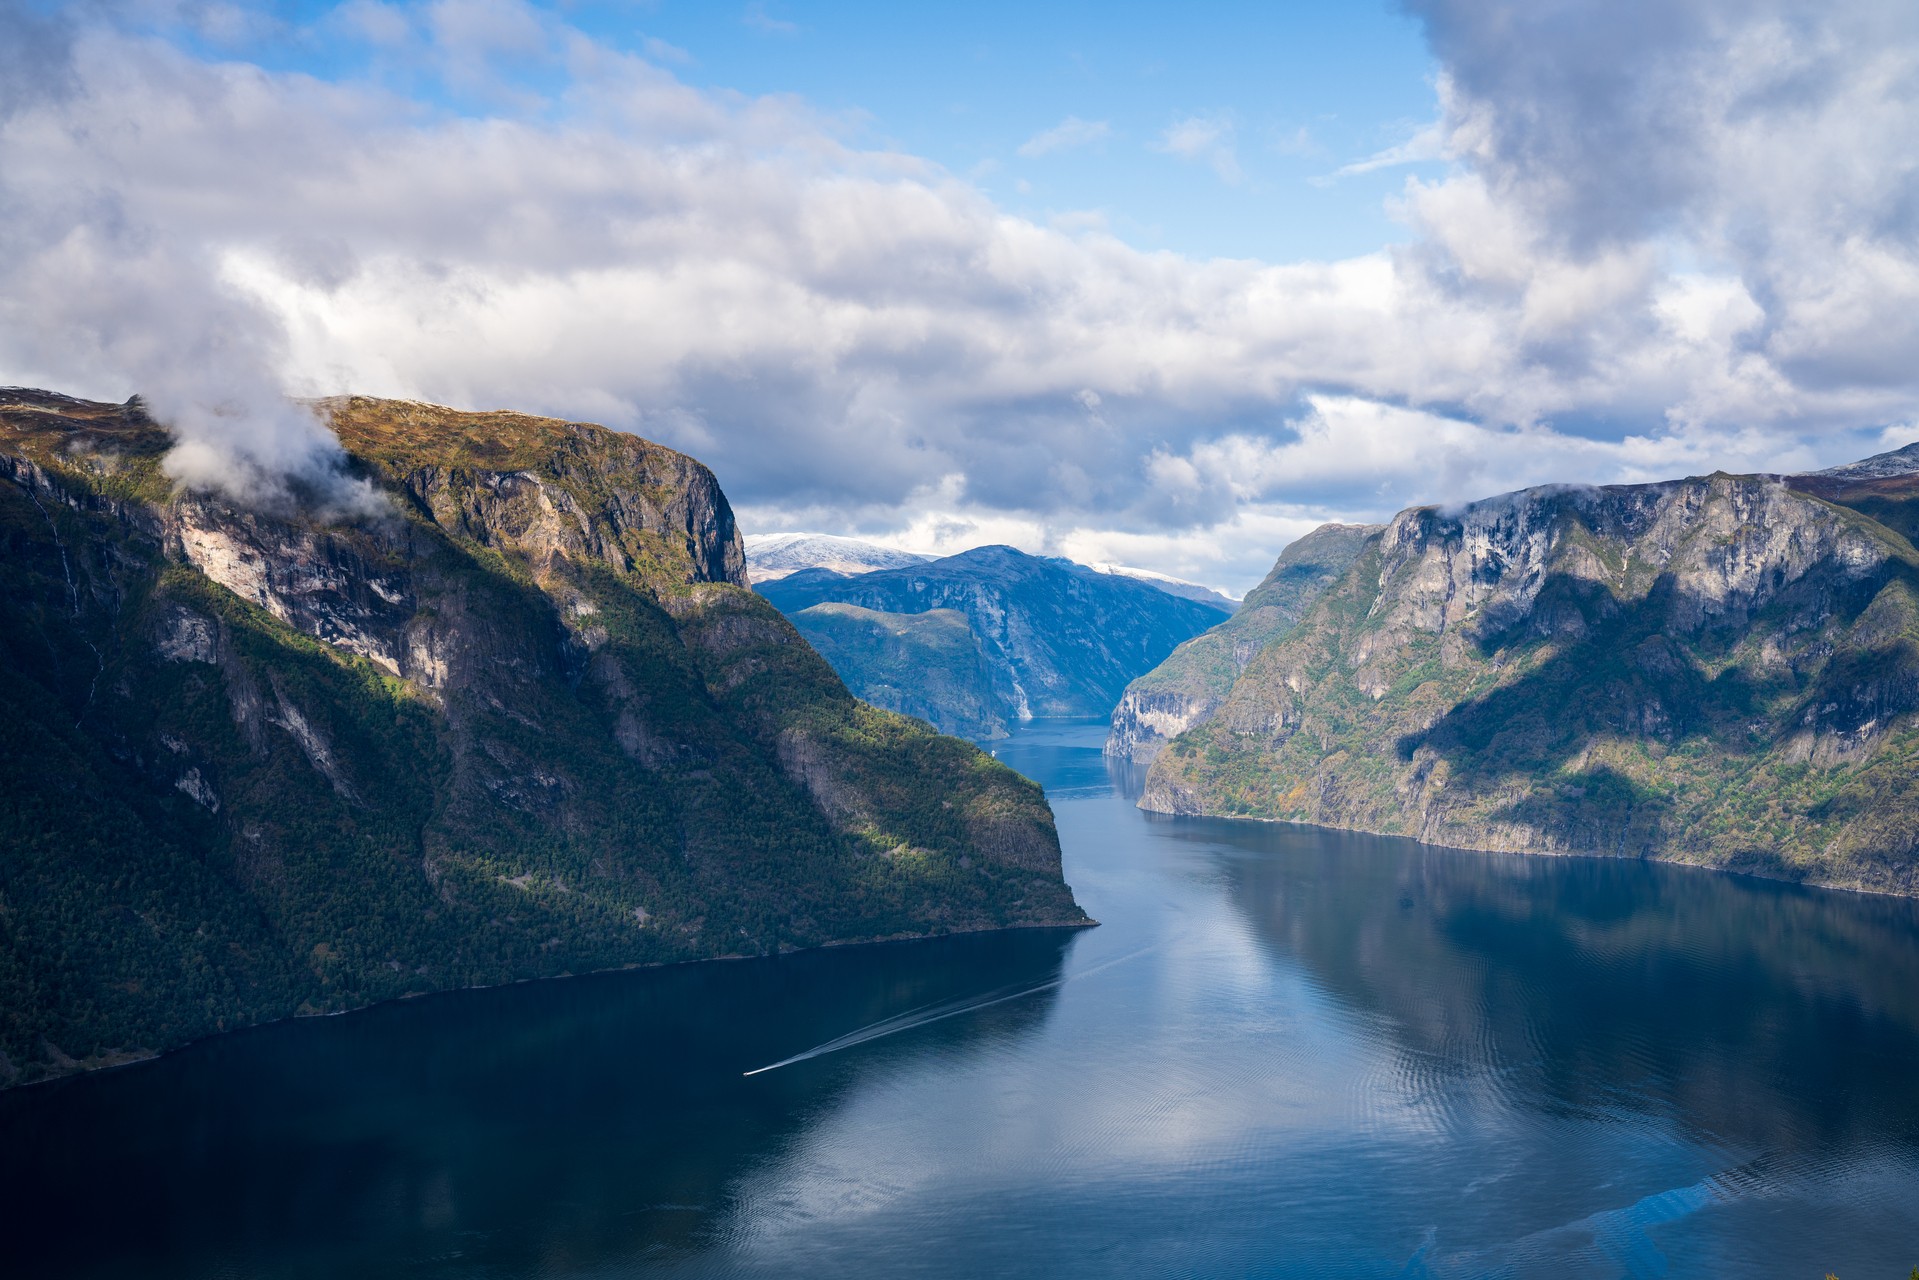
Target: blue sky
pixel 1211 129
pixel 1296 91
pixel 1161 286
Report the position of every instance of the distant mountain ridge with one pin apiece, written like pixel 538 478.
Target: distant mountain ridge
pixel 1897 462
pixel 931 665
pixel 1720 669
pixel 772 556
pixel 1052 638
pixel 1165 582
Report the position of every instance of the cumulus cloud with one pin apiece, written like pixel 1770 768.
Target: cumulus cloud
pixel 1064 136
pixel 1776 141
pixel 1656 250
pixel 35 57
pixel 89 286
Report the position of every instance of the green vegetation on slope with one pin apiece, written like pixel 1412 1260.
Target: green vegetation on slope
pixel 919 664
pixel 1059 639
pixel 1183 690
pixel 1720 671
pixel 529 724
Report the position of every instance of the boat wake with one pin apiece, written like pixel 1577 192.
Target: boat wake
pixel 927 1014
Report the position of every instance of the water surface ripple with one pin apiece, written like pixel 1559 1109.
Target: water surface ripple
pixel 1287 1052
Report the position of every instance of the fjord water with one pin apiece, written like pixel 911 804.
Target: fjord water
pixel 1286 1052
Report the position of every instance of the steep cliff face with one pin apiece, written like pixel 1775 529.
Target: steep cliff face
pixel 1062 641
pixel 1721 670
pixel 526 720
pixel 1186 688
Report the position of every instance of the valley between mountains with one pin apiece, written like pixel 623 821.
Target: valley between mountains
pixel 1720 670
pixel 535 713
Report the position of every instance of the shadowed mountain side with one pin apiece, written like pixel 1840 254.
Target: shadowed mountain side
pixel 526 722
pixel 919 664
pixel 1721 670
pixel 1063 640
pixel 1183 690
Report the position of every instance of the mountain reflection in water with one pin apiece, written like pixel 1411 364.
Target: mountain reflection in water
pixel 1286 1052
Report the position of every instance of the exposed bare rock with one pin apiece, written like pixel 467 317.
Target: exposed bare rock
pixel 525 721
pixel 1723 670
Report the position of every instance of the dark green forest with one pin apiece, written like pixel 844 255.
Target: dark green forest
pixel 528 746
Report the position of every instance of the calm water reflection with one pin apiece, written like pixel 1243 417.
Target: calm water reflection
pixel 1287 1052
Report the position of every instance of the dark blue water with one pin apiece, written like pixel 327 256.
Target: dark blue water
pixel 1287 1052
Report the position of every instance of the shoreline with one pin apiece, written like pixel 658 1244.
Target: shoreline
pixel 82 1071
pixel 1801 882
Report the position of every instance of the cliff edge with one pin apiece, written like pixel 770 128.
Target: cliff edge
pixel 1721 670
pixel 524 719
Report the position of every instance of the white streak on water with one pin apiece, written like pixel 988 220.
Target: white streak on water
pixel 927 1014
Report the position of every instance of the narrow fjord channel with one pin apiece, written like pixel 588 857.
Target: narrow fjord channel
pixel 1287 1052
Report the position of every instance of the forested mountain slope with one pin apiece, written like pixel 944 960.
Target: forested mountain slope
pixel 1721 670
pixel 1183 690
pixel 527 721
pixel 929 665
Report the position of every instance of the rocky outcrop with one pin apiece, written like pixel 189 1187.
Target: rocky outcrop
pixel 1722 670
pixel 1061 640
pixel 525 720
pixel 1184 690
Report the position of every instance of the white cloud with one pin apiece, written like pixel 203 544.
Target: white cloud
pixel 1208 139
pixel 1428 143
pixel 660 51
pixel 1064 136
pixel 758 19
pixel 377 23
pixel 1701 255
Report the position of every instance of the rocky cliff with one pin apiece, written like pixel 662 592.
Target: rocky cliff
pixel 1186 688
pixel 1721 670
pixel 1060 640
pixel 524 719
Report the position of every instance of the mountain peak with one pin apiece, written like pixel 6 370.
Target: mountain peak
pixel 772 556
pixel 1898 462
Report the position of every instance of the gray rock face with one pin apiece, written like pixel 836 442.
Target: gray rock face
pixel 373 588
pixel 527 722
pixel 1722 669
pixel 1899 462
